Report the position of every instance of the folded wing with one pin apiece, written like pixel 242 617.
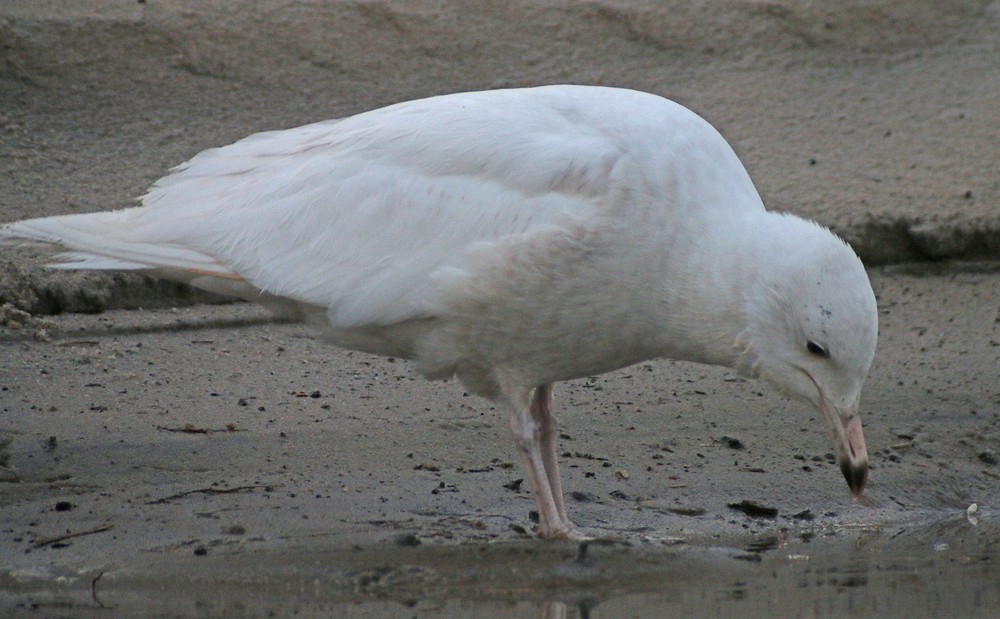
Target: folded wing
pixel 355 215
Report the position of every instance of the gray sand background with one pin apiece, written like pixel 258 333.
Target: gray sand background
pixel 201 448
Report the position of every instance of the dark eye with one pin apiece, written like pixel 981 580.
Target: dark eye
pixel 816 349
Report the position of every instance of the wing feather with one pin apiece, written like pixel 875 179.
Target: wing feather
pixel 356 215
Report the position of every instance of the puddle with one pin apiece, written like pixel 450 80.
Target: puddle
pixel 947 568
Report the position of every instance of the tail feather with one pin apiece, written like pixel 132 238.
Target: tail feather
pixel 106 241
pixel 79 260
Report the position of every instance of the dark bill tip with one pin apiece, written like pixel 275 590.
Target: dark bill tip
pixel 856 476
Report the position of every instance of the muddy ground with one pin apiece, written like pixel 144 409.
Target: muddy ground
pixel 239 465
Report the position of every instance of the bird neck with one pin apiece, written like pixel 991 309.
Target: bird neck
pixel 710 285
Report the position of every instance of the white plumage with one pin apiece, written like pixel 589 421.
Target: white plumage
pixel 513 238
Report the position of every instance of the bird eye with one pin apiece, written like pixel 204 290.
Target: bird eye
pixel 816 349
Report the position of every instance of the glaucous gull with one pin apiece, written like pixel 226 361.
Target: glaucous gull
pixel 512 238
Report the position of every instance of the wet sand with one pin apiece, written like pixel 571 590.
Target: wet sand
pixel 207 459
pixel 211 450
pixel 882 572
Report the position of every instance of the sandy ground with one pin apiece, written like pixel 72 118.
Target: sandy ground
pixel 167 438
pixel 212 447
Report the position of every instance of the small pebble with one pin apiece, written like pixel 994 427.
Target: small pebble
pixel 408 539
pixel 514 485
pixel 732 442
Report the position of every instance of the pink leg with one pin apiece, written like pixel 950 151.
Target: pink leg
pixel 534 429
pixel 548 425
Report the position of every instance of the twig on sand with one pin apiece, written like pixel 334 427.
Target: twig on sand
pixel 204 491
pixel 48 541
pixel 93 589
pixel 193 429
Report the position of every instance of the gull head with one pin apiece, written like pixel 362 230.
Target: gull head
pixel 812 326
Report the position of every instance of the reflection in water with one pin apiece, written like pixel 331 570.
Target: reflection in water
pixel 560 610
pixel 946 568
pixel 554 610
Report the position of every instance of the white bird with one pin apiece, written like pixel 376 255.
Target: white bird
pixel 512 238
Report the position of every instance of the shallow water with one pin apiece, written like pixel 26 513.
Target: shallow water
pixel 947 568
